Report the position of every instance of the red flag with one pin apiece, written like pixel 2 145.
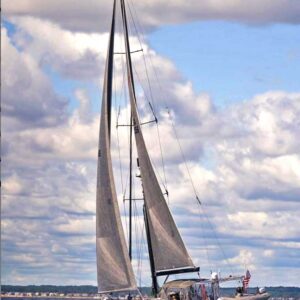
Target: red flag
pixel 246 280
pixel 203 292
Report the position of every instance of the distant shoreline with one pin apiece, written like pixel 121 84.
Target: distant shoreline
pixel 46 297
pixel 86 292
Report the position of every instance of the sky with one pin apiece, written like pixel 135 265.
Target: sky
pixel 227 71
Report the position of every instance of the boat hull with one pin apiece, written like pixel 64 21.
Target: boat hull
pixel 264 296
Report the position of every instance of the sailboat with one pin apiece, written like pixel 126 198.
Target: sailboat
pixel 167 252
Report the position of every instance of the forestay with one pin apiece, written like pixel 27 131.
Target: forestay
pixel 168 248
pixel 114 269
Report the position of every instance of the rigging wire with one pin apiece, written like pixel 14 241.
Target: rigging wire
pixel 138 236
pixel 183 157
pixel 118 138
pixel 125 98
pixel 175 132
pixel 217 239
pixel 151 106
pixel 203 237
pixel 151 101
pixel 142 247
pixel 177 139
pixel 154 165
pixel 169 114
pixel 150 89
pixel 167 108
pixel 119 96
pixel 117 132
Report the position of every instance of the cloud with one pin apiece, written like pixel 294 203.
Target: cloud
pixel 265 145
pixel 245 257
pixel 223 188
pixel 261 224
pixel 95 17
pixel 77 55
pixel 244 161
pixel 24 82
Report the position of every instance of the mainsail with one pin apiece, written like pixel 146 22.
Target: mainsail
pixel 114 269
pixel 168 248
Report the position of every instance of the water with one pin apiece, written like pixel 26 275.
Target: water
pixel 89 298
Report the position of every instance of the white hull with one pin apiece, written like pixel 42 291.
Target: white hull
pixel 264 296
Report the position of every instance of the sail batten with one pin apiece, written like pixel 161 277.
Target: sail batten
pixel 169 251
pixel 114 270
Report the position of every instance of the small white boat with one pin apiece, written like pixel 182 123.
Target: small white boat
pixel 205 289
pixel 263 296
